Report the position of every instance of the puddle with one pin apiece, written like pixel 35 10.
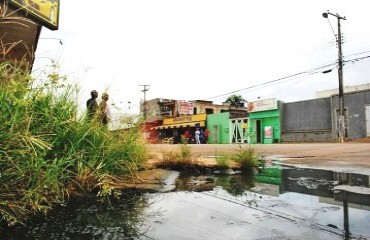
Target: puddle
pixel 280 202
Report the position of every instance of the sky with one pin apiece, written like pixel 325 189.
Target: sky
pixel 206 49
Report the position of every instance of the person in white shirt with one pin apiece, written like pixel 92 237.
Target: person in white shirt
pixel 197 133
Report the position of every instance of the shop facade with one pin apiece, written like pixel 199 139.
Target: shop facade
pixel 264 121
pixel 228 127
pixel 173 129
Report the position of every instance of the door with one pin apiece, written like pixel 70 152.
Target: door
pixel 367 120
pixel 214 134
pixel 258 131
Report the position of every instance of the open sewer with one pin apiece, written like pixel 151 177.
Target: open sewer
pixel 278 202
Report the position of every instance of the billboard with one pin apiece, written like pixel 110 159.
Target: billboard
pixel 44 12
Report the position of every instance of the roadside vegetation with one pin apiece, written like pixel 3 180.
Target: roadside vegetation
pixel 178 160
pixel 223 160
pixel 49 153
pixel 245 158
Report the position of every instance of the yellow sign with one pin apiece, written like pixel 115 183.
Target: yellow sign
pixel 185 119
pixel 45 12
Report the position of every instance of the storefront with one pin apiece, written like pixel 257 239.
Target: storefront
pixel 264 121
pixel 228 127
pixel 173 128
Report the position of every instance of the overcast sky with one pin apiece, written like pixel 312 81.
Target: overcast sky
pixel 207 49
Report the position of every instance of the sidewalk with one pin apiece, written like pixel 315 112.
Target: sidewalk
pixel 350 157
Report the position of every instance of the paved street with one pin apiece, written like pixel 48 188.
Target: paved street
pixel 350 157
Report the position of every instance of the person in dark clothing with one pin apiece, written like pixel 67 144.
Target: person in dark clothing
pixel 92 105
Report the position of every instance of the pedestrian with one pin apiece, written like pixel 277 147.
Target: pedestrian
pixel 206 134
pixel 92 105
pixel 104 110
pixel 197 133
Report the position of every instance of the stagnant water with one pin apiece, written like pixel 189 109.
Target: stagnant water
pixel 278 203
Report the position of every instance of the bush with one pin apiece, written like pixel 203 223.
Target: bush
pixel 246 158
pixel 180 160
pixel 48 152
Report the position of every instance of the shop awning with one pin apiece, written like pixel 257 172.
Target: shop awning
pixel 181 125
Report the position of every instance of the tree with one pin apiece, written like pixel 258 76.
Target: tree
pixel 235 100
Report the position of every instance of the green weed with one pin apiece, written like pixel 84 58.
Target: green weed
pixel 48 152
pixel 246 158
pixel 223 161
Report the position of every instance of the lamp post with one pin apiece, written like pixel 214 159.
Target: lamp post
pixel 340 123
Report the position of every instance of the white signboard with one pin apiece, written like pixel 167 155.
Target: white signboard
pixel 262 105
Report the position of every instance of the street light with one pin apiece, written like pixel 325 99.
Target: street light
pixel 341 124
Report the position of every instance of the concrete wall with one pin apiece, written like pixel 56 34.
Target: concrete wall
pixel 355 103
pixel 307 121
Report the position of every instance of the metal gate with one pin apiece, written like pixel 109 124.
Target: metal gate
pixel 239 130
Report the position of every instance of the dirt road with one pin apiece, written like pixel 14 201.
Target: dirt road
pixel 349 157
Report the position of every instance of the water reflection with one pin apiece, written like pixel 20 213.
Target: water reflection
pixel 88 218
pixel 278 202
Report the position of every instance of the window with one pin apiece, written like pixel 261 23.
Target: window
pixel 209 110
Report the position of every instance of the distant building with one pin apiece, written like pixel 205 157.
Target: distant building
pixel 348 89
pixel 168 119
pixel 160 108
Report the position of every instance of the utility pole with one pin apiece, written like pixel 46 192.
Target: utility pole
pixel 341 118
pixel 145 89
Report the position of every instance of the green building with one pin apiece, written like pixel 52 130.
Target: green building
pixel 261 124
pixel 264 121
pixel 228 127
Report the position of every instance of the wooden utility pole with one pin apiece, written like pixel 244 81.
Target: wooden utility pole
pixel 341 119
pixel 145 89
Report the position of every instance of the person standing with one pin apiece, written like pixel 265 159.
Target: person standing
pixel 92 105
pixel 197 138
pixel 206 134
pixel 104 111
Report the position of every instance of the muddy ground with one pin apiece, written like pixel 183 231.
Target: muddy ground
pixel 349 156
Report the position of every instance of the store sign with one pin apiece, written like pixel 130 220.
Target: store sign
pixel 185 119
pixel 262 105
pixel 44 12
pixel 185 107
pixel 234 113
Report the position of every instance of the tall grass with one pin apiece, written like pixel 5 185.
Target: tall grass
pixel 246 158
pixel 223 161
pixel 178 160
pixel 48 152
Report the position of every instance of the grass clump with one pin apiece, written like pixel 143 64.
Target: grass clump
pixel 223 161
pixel 180 160
pixel 246 158
pixel 48 152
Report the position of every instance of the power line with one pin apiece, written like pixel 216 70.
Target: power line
pixel 276 81
pixel 316 70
